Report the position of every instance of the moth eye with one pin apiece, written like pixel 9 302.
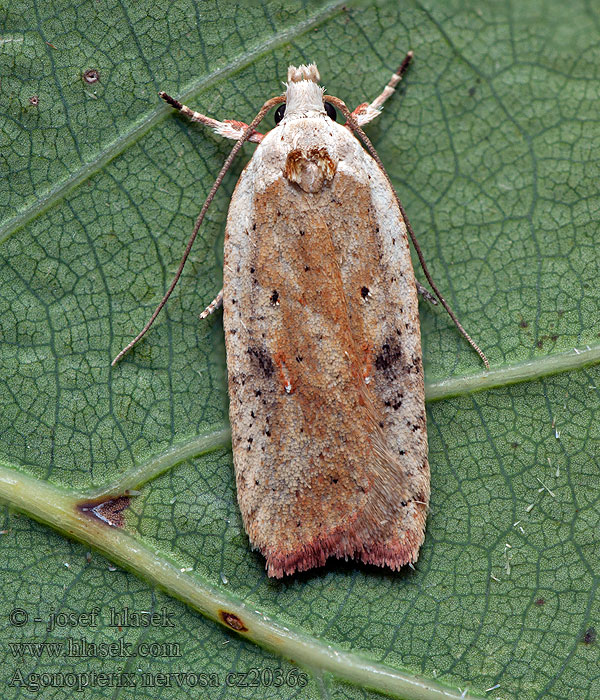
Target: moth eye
pixel 279 113
pixel 330 109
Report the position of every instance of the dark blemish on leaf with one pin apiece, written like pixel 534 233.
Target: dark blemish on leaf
pixel 232 621
pixel 34 100
pixel 264 361
pixel 306 268
pixel 540 344
pixel 301 233
pixel 109 512
pixel 539 602
pixel 524 324
pixel 554 338
pixel 275 298
pixel 91 76
pixel 514 445
pixel 254 229
pixel 364 292
pixel 472 91
pixel 589 636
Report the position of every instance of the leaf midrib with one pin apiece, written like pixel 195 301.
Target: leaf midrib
pixel 58 508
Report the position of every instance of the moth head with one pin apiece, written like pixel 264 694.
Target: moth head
pixel 303 95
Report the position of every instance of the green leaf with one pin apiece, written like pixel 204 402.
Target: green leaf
pixel 491 143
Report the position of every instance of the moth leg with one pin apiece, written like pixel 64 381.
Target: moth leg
pixel 366 112
pixel 425 293
pixel 229 128
pixel 214 305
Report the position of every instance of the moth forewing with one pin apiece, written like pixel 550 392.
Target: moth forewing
pixel 327 403
pixel 323 351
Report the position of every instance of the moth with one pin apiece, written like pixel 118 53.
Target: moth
pixel 320 313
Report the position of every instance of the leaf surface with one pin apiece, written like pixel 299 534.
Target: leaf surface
pixel 491 143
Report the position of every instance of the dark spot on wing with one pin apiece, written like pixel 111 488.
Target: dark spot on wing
pixel 390 355
pixel 263 360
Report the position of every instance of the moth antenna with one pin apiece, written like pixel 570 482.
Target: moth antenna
pixel 269 104
pixel 357 130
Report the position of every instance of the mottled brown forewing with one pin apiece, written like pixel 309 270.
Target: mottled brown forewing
pixel 324 360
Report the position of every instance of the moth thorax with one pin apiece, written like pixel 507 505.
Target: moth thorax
pixel 310 170
pixel 303 94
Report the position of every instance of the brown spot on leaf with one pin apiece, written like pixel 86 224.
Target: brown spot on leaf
pixel 232 621
pixel 589 636
pixel 91 76
pixel 34 100
pixel 540 601
pixel 110 512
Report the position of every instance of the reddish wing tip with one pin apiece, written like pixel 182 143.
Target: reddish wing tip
pixel 341 545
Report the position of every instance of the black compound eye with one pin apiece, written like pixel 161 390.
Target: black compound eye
pixel 279 113
pixel 330 109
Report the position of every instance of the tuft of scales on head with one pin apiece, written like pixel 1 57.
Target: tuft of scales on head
pixel 304 96
pixel 309 72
